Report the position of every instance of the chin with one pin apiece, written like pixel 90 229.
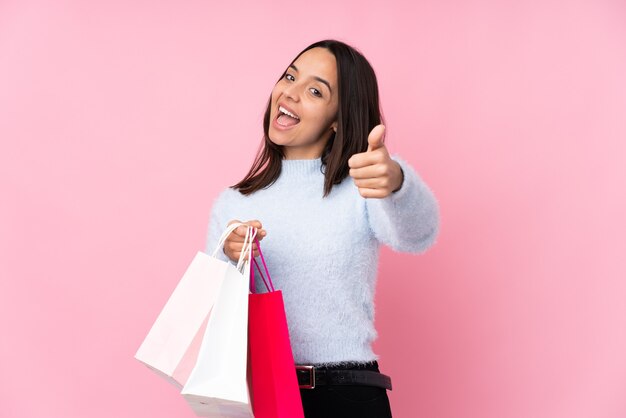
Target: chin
pixel 277 138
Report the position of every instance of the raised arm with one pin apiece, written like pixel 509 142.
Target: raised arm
pixel 406 220
pixel 402 211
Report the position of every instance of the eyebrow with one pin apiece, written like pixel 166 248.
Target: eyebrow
pixel 320 79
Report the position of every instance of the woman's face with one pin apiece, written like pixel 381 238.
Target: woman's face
pixel 304 105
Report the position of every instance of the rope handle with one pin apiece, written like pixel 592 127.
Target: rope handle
pixel 270 287
pixel 247 242
pixel 229 229
pixel 247 248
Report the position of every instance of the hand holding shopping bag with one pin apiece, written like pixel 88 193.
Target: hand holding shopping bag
pixel 274 387
pixel 172 345
pixel 217 386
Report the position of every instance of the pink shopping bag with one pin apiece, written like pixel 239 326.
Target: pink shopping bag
pixel 274 386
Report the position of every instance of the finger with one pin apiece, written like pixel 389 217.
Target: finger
pixel 240 231
pixel 255 223
pixel 232 257
pixel 230 254
pixel 259 226
pixel 236 231
pixel 373 193
pixel 240 239
pixel 233 247
pixel 375 183
pixel 233 222
pixel 375 138
pixel 236 248
pixel 369 172
pixel 366 159
pixel 243 230
pixel 259 236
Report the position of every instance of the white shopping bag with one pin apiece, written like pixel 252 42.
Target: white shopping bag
pixel 171 347
pixel 217 386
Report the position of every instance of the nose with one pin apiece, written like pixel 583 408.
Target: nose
pixel 292 91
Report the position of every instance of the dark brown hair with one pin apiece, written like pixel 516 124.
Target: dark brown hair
pixel 358 113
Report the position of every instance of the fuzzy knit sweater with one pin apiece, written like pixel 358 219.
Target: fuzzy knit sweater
pixel 322 252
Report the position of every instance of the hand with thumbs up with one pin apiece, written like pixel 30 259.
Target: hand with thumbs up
pixel 374 172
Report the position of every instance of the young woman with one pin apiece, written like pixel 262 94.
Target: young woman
pixel 324 194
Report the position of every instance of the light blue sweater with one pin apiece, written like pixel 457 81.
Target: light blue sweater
pixel 323 252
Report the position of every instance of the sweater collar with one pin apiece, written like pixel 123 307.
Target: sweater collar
pixel 302 168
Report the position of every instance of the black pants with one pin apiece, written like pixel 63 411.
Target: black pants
pixel 346 401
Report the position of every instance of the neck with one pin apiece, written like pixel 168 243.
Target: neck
pixel 291 154
pixel 307 152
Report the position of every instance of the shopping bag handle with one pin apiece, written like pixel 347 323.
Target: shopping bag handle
pixel 229 229
pixel 270 287
pixel 247 242
pixel 247 247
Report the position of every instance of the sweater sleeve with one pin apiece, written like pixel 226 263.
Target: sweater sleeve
pixel 217 225
pixel 407 220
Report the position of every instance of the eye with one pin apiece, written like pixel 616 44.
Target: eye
pixel 289 77
pixel 316 92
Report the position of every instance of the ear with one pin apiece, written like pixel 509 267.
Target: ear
pixel 334 126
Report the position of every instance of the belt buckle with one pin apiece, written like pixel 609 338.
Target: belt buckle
pixel 311 371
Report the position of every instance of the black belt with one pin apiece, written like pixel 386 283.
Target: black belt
pixel 309 377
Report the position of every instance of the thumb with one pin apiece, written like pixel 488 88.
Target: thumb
pixel 375 138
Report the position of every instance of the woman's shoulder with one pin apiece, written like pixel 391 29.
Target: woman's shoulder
pixel 226 201
pixel 227 195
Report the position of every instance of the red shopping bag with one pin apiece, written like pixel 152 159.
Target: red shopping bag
pixel 274 385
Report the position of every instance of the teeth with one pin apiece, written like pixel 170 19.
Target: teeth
pixel 286 112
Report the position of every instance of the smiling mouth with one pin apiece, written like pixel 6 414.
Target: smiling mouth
pixel 286 118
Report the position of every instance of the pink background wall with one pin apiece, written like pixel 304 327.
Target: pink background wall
pixel 120 122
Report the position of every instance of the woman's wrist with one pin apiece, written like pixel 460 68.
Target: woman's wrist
pixel 400 176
